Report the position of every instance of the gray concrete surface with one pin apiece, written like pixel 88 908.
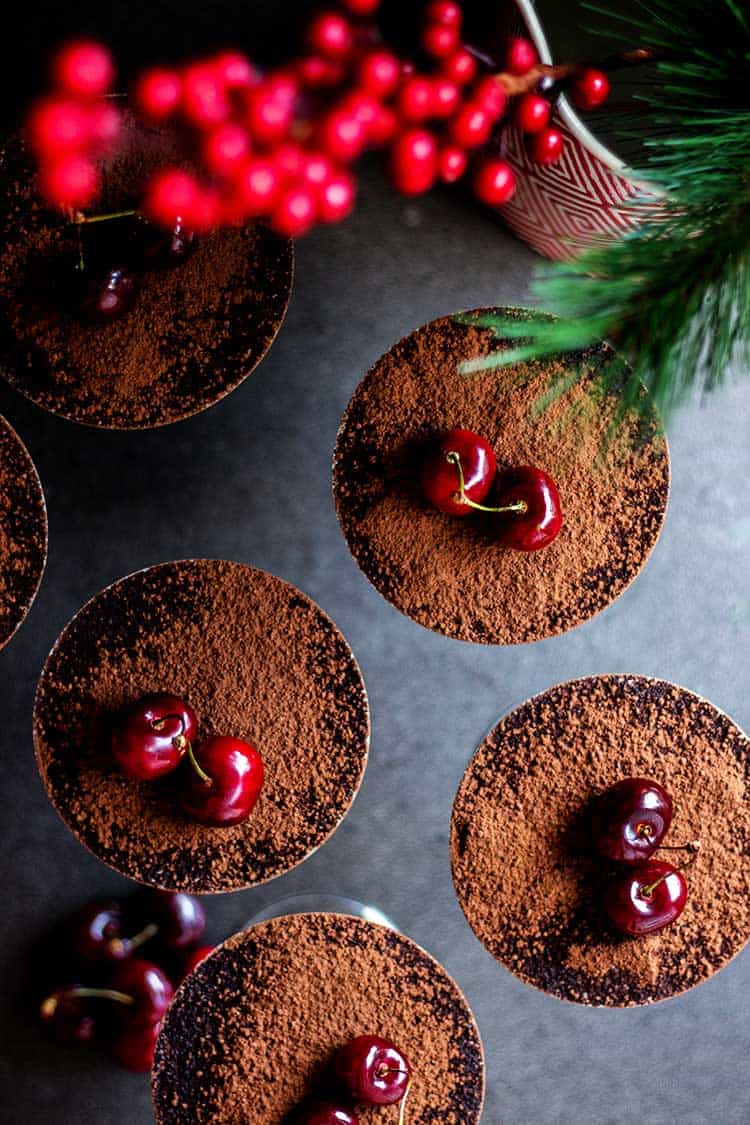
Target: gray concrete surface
pixel 250 480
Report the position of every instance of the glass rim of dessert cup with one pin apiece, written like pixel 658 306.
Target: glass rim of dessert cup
pixel 502 717
pixel 321 902
pixel 366 746
pixel 286 261
pixel 23 450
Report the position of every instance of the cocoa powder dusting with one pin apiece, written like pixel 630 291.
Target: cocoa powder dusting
pixel 523 865
pixel 195 332
pixel 255 658
pixel 23 532
pixel 450 574
pixel 252 1032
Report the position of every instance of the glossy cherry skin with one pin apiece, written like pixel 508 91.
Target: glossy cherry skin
pixel 194 958
pixel 373 1070
pixel 541 522
pixel 68 1017
pixel 151 736
pixel 110 295
pixel 134 1047
pixel 325 1113
pixel 165 248
pixel 633 912
pixel 236 772
pixel 148 986
pixel 96 934
pixel 440 480
pixel 631 819
pixel 180 917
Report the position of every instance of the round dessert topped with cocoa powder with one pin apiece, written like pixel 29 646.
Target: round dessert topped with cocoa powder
pixel 195 331
pixel 256 659
pixel 524 865
pixel 253 1031
pixel 23 532
pixel 451 574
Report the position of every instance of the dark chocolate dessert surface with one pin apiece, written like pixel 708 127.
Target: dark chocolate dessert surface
pixel 524 867
pixel 256 659
pixel 252 1032
pixel 450 574
pixel 23 531
pixel 196 329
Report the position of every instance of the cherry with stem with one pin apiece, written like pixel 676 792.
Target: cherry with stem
pixel 454 458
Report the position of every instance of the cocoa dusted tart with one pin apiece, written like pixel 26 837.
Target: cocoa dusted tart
pixel 450 574
pixel 256 659
pixel 252 1031
pixel 523 863
pixel 195 332
pixel 23 531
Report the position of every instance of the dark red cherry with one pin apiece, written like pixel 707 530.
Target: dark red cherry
pixel 194 958
pixel 441 478
pixel 226 785
pixel 539 524
pixel 96 934
pixel 68 1016
pixel 179 917
pixel 168 247
pixel 643 899
pixel 149 989
pixel 325 1113
pixel 134 1047
pixel 631 819
pixel 151 736
pixel 110 294
pixel 373 1070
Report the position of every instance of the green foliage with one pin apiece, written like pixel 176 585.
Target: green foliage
pixel 673 295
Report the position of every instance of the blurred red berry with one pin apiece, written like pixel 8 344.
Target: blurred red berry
pixel 494 182
pixel 269 115
pixel 234 70
pixel 379 73
pixel 520 56
pixel 56 126
pixel 335 199
pixel 171 197
pixel 384 127
pixel 361 7
pixel 83 69
pixel 257 186
pixel 104 124
pixel 415 98
pixel 294 214
pixel 461 67
pixel 532 113
pixel 446 97
pixel 413 161
pixel 206 210
pixel 342 136
pixel 546 146
pixel 318 73
pixel 452 163
pixel 491 96
pixel 283 86
pixel 330 34
pixel 439 41
pixel 364 107
pixel 316 169
pixel 204 98
pixel 68 181
pixel 471 127
pixel 289 160
pixel 444 12
pixel 225 148
pixel 589 89
pixel 157 93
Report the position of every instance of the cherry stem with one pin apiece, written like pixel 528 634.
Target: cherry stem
pixel 49 1005
pixel 118 945
pixel 80 219
pixel 205 778
pixel 179 741
pixel 402 1111
pixel 649 889
pixel 455 459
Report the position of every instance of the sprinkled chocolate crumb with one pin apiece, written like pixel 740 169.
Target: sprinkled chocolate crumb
pixel 449 574
pixel 23 532
pixel 523 864
pixel 255 658
pixel 252 1032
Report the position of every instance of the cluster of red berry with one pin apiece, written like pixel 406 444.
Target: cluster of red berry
pixel 460 471
pixel 75 124
pixel 630 820
pixel 369 1071
pixel 113 994
pixel 279 145
pixel 223 776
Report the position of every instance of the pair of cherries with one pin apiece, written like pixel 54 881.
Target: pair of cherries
pixel 371 1071
pixel 629 823
pixel 113 993
pixel 221 777
pixel 460 473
